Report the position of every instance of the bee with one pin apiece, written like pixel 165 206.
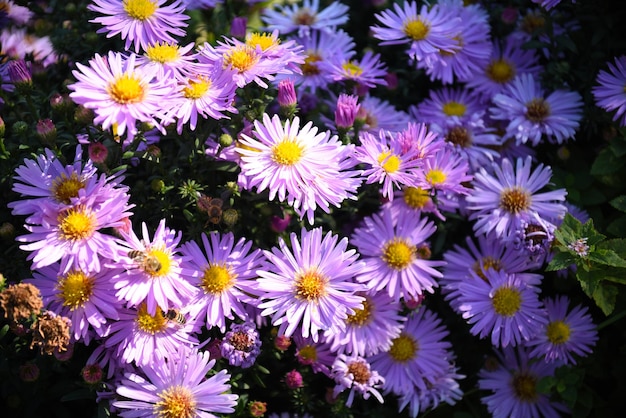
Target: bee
pixel 176 316
pixel 148 262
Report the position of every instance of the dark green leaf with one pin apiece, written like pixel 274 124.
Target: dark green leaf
pixel 604 295
pixel 560 261
pixel 606 163
pixel 617 227
pixel 82 393
pixel 619 203
pixel 607 257
pixel 546 384
pixel 618 146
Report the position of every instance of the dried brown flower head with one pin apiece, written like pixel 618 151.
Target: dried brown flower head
pixel 19 302
pixel 51 332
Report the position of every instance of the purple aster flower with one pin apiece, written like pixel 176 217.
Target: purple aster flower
pixel 388 164
pixel 371 329
pixel 355 373
pixel 504 306
pixel 169 57
pixel 120 93
pixel 369 71
pixel 548 4
pixel 346 110
pixel 82 296
pixel 396 255
pixel 567 333
pixel 298 165
pixel 316 354
pixel 428 32
pixel 506 63
pixel 241 345
pixel 305 18
pixel 472 44
pixel 609 93
pixel 225 273
pixel 500 201
pixel 140 22
pixel 416 357
pixel 310 287
pixel 488 253
pixel 449 105
pixel 534 238
pixel 513 386
pixel 154 273
pixel 176 386
pixel 138 335
pixel 444 172
pixel 533 115
pixel 412 201
pixel 376 114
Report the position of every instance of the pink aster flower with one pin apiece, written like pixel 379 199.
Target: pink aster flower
pixel 388 163
pixel 376 114
pixel 533 115
pixel 155 274
pixel 241 345
pixel 298 165
pixel 305 17
pixel 356 374
pixel 609 93
pixel 120 93
pixel 224 271
pixel 442 387
pixel 176 386
pixel 140 22
pixel 568 333
pixel 309 286
pixel 499 201
pixel 396 255
pixel 170 57
pixel 316 354
pixel 369 71
pixel 444 172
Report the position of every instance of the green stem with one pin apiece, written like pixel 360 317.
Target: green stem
pixel 612 319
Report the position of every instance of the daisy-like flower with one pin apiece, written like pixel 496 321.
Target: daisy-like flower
pixel 177 386
pixel 288 54
pixel 316 354
pixel 418 136
pixel 241 345
pixel 487 253
pixel 120 93
pixel 416 357
pixel 140 22
pixel 169 57
pixel 428 32
pixel 225 272
pixel 441 172
pixel 412 201
pixel 449 105
pixel 505 64
pixel 298 165
pixel 82 296
pixel 371 329
pixel 503 306
pixel 154 273
pixel 376 114
pixel 500 201
pixel 472 44
pixel 207 95
pixel 369 71
pixel 532 114
pixel 137 336
pixel 355 373
pixel 305 18
pixel 396 255
pixel 18 14
pixel 567 333
pixel 310 286
pixel 513 384
pixel 389 164
pixel 609 93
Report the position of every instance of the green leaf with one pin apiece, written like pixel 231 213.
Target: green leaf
pixel 607 257
pixel 79 394
pixel 546 384
pixel 561 261
pixel 619 203
pixel 604 295
pixel 618 146
pixel 606 163
pixel 617 227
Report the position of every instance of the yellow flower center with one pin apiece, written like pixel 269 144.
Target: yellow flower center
pixel 506 301
pixel 217 279
pixel 286 152
pixel 150 323
pixel 532 22
pixel 453 108
pixel 176 402
pixel 197 88
pixel 558 332
pixel 352 69
pixel 76 224
pixel 398 254
pixel 126 89
pixel 514 200
pixel 501 71
pixel 140 9
pixel 76 288
pixel 162 52
pixel 403 348
pixel 459 136
pixel 361 316
pixel 263 40
pixel 416 197
pixel 241 58
pixel 391 162
pixel 310 285
pixel 308 353
pixel 485 264
pixel 435 177
pixel 157 262
pixel 310 64
pixel 359 372
pixel 416 29
pixel 537 110
pixel 525 387
pixel 64 187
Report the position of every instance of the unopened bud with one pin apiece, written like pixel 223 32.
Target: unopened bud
pixel 46 131
pixel 238 27
pixel 29 372
pixel 225 140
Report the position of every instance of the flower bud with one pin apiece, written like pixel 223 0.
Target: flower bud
pixel 278 224
pixel 282 342
pixel 20 128
pixel 46 131
pixel 20 74
pixel 225 140
pixel 257 408
pixel 346 111
pixel 230 217
pixel 29 372
pixel 293 379
pixel 238 27
pixel 98 152
pixel 92 374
